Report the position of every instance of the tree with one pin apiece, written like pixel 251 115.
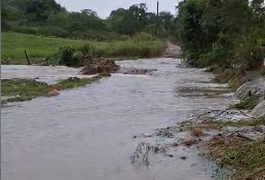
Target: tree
pixel 89 12
pixel 224 32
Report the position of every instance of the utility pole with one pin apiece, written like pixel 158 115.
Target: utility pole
pixel 157 10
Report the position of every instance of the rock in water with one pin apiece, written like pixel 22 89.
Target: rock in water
pixel 259 110
pixel 54 92
pixel 87 70
pixel 183 157
pixel 107 69
pixel 109 66
pixel 100 66
pixel 138 71
pixel 190 141
pixel 74 79
pixel 259 128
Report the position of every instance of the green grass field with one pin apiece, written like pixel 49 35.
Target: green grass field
pixel 14 44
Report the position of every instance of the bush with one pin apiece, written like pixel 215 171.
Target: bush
pixel 69 57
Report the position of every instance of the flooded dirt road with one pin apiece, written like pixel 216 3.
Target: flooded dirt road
pixel 87 133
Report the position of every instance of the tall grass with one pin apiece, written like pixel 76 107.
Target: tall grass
pixel 14 44
pixel 38 47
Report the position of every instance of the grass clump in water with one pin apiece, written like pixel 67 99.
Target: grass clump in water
pixel 74 82
pixel 213 124
pixel 28 89
pixel 197 132
pixel 250 122
pixel 22 89
pixel 234 77
pixel 248 103
pixel 224 76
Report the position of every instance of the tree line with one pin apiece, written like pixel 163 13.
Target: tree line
pixel 229 33
pixel 46 17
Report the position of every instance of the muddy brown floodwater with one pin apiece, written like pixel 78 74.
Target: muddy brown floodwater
pixel 87 133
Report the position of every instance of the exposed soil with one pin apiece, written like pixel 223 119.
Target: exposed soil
pixel 172 50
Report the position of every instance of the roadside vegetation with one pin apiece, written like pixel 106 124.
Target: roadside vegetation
pixel 231 145
pixel 243 155
pixel 235 145
pixel 227 33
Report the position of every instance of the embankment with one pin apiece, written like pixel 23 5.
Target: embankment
pixel 249 88
pixel 234 138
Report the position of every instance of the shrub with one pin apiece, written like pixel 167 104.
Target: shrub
pixel 66 56
pixel 197 132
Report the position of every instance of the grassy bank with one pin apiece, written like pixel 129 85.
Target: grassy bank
pixel 232 146
pixel 238 146
pixel 14 44
pixel 235 78
pixel 244 156
pixel 234 150
pixel 28 89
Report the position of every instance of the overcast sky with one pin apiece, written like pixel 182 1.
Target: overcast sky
pixel 104 7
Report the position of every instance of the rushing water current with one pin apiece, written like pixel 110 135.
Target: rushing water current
pixel 87 133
